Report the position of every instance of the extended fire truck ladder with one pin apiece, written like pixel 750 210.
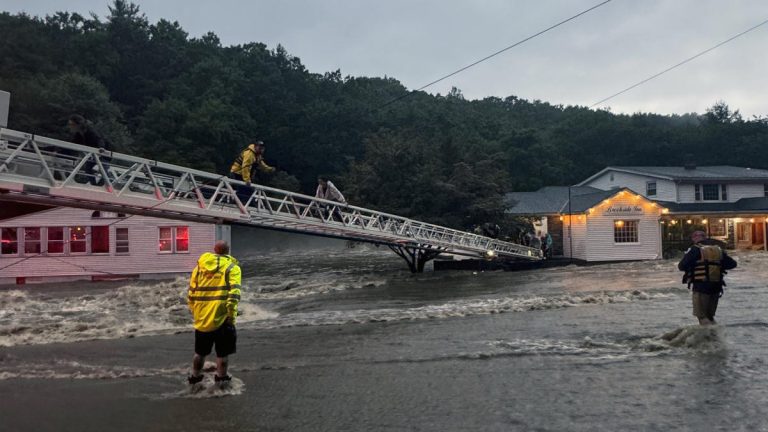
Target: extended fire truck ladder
pixel 42 170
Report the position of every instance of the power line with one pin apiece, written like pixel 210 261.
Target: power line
pixel 496 53
pixel 680 64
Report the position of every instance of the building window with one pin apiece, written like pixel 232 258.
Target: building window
pixel 166 240
pixel 650 189
pixel 625 231
pixel 78 239
pixel 717 228
pixel 182 239
pixel 710 192
pixel 121 241
pixel 100 239
pixel 9 241
pixel 724 192
pixel 174 239
pixel 743 232
pixel 32 244
pixel 697 192
pixel 55 240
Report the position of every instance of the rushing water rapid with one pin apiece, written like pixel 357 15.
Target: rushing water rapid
pixel 347 339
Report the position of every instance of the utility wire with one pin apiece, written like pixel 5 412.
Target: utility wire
pixel 495 54
pixel 680 64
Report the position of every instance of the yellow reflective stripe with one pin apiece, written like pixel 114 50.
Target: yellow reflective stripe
pixel 212 288
pixel 208 298
pixel 226 274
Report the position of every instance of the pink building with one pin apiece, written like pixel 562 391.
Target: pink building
pixel 44 244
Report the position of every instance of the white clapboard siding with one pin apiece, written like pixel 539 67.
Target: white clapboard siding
pixel 600 231
pixel 737 191
pixel 144 257
pixel 578 225
pixel 665 189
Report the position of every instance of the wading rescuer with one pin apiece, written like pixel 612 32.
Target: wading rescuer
pixel 214 292
pixel 251 156
pixel 705 264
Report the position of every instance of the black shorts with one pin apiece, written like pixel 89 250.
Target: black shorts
pixel 224 337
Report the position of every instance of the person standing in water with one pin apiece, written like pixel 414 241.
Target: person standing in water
pixel 214 292
pixel 704 265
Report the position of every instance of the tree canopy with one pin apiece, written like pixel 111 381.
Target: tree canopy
pixel 159 93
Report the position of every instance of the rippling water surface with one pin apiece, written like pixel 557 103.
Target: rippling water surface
pixel 333 338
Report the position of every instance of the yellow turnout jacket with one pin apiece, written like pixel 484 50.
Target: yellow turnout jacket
pixel 214 291
pixel 247 159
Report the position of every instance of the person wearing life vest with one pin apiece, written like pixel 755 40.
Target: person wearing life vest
pixel 705 264
pixel 214 292
pixel 251 156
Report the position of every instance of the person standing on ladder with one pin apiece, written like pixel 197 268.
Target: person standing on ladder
pixel 243 167
pixel 214 293
pixel 328 191
pixel 84 134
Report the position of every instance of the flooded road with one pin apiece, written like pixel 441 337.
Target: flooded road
pixel 346 339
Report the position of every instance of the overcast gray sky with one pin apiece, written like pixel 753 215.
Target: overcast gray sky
pixel 581 62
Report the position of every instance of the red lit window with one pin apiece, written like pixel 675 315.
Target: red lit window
pixel 32 245
pixel 100 239
pixel 174 239
pixel 78 239
pixel 166 240
pixel 121 241
pixel 55 240
pixel 182 239
pixel 9 241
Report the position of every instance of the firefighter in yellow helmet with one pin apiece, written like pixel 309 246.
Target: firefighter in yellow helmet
pixel 705 264
pixel 214 292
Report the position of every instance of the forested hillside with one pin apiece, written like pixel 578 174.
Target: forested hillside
pixel 159 93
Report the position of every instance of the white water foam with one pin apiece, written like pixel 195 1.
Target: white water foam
pixel 128 311
pixel 461 308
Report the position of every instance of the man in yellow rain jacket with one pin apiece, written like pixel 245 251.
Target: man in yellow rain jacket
pixel 214 292
pixel 252 156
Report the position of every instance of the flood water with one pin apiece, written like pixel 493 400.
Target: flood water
pixel 340 339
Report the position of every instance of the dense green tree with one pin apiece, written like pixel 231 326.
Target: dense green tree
pixel 156 92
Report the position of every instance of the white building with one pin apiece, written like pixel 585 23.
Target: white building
pixel 43 244
pixel 632 213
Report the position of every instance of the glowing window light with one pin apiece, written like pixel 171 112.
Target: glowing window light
pixel 665 211
pixel 619 223
pixel 673 222
pixel 689 221
pixel 704 221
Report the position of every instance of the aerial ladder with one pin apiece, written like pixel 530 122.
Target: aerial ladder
pixel 41 170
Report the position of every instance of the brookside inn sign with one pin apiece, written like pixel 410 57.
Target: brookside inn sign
pixel 623 210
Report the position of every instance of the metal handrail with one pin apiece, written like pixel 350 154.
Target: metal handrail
pixel 124 180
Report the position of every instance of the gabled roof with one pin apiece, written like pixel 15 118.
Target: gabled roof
pixel 582 203
pixel 679 173
pixel 548 200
